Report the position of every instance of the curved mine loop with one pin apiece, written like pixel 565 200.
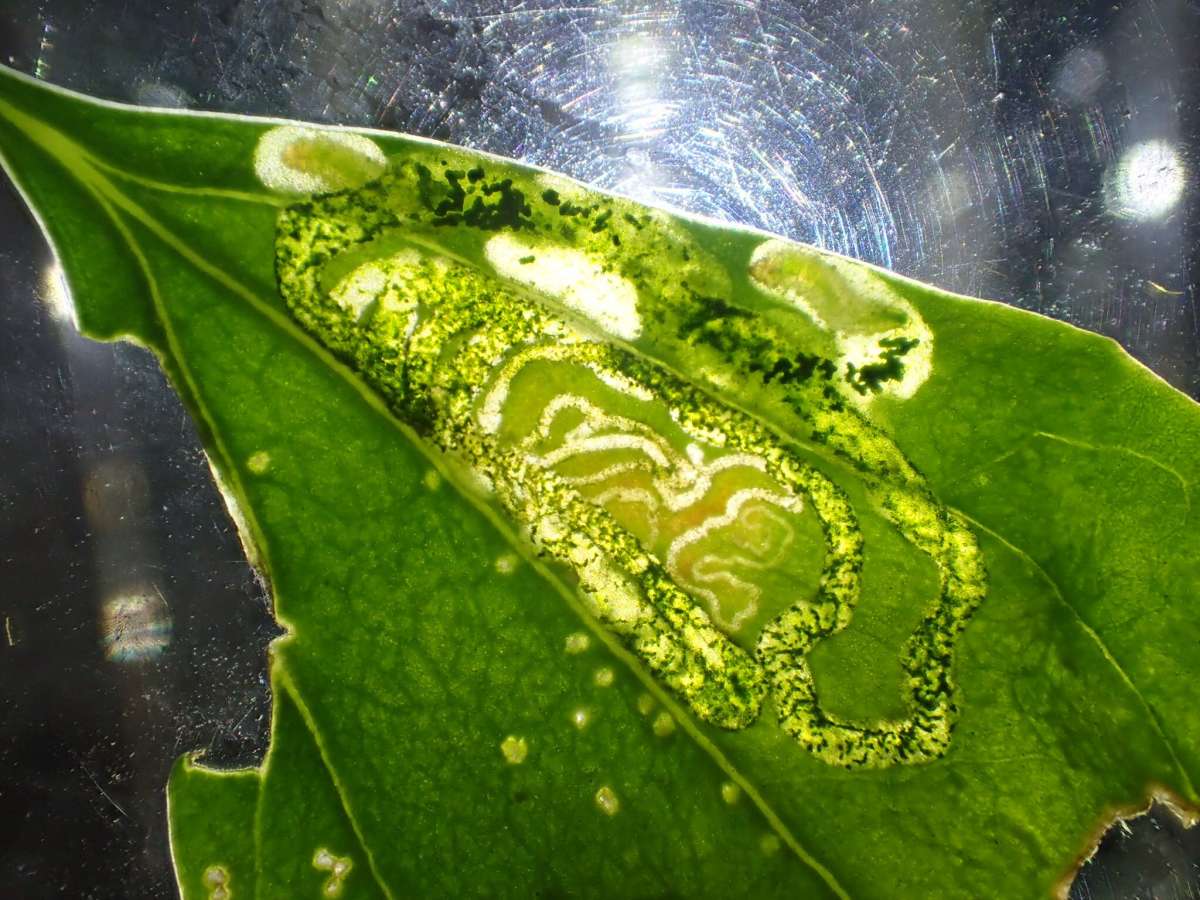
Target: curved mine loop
pixel 785 642
pixel 435 371
pixel 445 342
pixel 628 590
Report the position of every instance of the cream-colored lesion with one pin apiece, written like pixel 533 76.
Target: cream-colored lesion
pixel 572 277
pixel 218 882
pixel 338 867
pixel 858 307
pixel 294 159
pixel 381 283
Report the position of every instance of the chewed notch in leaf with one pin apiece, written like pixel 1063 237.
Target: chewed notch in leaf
pixel 665 502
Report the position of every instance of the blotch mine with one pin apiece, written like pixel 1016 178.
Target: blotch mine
pixel 292 159
pixel 487 309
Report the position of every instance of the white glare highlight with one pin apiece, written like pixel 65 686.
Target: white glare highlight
pixel 1148 182
pixel 54 293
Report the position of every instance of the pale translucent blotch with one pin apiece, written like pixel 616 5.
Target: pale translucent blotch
pixel 259 462
pixel 730 793
pixel 299 160
pixel 216 879
pixel 507 564
pixel 571 277
pixel 338 868
pixel 770 844
pixel 514 749
pixel 603 677
pixel 577 642
pixel 580 718
pixel 664 724
pixel 607 801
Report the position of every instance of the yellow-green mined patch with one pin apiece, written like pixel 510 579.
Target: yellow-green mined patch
pixel 664 724
pixel 674 509
pixel 730 792
pixel 607 801
pixel 577 642
pixel 514 749
pixel 259 462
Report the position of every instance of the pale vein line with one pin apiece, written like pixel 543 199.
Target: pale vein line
pixel 1155 723
pixel 190 190
pixel 287 683
pixel 1116 448
pixel 285 324
pixel 1093 448
pixel 240 498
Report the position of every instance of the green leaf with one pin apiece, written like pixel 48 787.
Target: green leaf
pixel 623 553
pixel 319 851
pixel 211 818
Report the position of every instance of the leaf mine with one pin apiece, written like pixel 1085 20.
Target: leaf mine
pixel 673 511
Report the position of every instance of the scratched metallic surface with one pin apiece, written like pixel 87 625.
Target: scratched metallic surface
pixel 1043 154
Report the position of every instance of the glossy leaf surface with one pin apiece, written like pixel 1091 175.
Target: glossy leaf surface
pixel 455 713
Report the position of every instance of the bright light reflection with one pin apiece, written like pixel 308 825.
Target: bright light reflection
pixel 1148 182
pixel 134 627
pixel 638 62
pixel 54 293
